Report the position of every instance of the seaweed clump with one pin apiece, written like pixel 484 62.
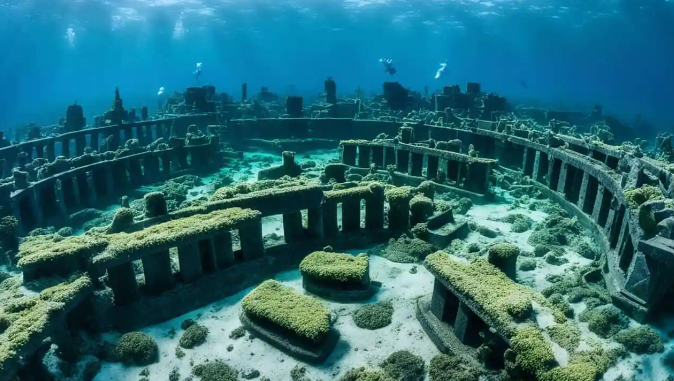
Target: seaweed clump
pixel 374 316
pixel 136 348
pixel 404 250
pixel 403 365
pixel 194 336
pixel 637 196
pixel 641 340
pixel 362 374
pixel 448 367
pixel 215 371
pixel 605 322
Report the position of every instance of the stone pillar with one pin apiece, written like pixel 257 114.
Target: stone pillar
pixel 466 325
pixel 315 223
pixel 252 243
pixel 207 254
pixel 377 155
pixel 51 150
pixel 561 184
pixel 390 156
pixel 224 255
pixel 166 163
pixel 504 257
pixel 190 262
pixel 35 206
pixel 179 152
pixel 157 268
pixel 582 192
pixel 65 147
pixel 94 141
pixel 143 113
pixel 364 156
pixel 80 144
pixel 403 161
pixel 417 164
pixel 128 134
pixel 294 106
pixel 444 304
pixel 529 161
pixel 349 154
pixel 453 170
pixel 39 150
pixel 406 134
pixel 350 214
pixel 374 208
pixel 110 180
pixel 60 199
pixel 122 281
pixel 399 212
pixel 432 168
pixel 330 227
pixel 477 177
pixel 292 227
pixel 135 171
pixel 150 168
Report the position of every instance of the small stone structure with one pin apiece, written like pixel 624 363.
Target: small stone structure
pixel 337 276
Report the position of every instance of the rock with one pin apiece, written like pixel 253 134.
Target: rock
pixel 250 373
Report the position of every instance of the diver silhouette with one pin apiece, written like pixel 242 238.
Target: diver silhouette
pixel 388 66
pixel 197 73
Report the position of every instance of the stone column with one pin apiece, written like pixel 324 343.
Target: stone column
pixel 35 206
pixel 51 150
pixel 330 227
pixel 417 164
pixel 158 274
pixel 135 171
pixel 39 150
pixel 432 168
pixel 60 199
pixel 561 184
pixel 65 147
pixel 477 177
pixel 466 325
pixel 403 160
pixel 292 227
pixel 190 262
pixel 582 192
pixel 444 304
pixel 349 154
pixel 399 212
pixel 315 223
pixel 364 156
pixel 150 168
pixel 207 254
pixel 224 255
pixel 128 133
pixel 93 141
pixel 350 214
pixel 122 281
pixel 390 156
pixel 453 170
pixel 166 163
pixel 252 243
pixel 406 134
pixel 80 144
pixel 377 155
pixel 374 208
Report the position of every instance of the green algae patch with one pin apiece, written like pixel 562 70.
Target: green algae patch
pixel 275 303
pixel 403 365
pixel 136 348
pixel 573 372
pixel 374 190
pixel 499 300
pixel 374 316
pixel 362 374
pixel 503 251
pixel 399 194
pixel 45 250
pixel 449 367
pixel 34 323
pixel 566 335
pixel 637 196
pixel 534 353
pixel 172 233
pixel 641 340
pixel 335 267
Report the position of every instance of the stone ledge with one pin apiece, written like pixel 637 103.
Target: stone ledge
pixel 314 354
pixel 341 296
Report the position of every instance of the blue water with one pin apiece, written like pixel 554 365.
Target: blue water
pixel 569 54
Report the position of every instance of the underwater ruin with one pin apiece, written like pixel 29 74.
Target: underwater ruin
pixel 450 237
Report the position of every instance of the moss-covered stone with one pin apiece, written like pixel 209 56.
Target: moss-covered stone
pixel 8 233
pixel 237 333
pixel 136 348
pixel 503 251
pixel 275 303
pixel 527 264
pixel 194 336
pixel 448 367
pixel 215 371
pixel 155 204
pixel 362 374
pixel 637 196
pixel 640 340
pixel 336 267
pixel 502 301
pixel 403 365
pixel 520 222
pixel 374 316
pixel 585 250
pixel 404 250
pixel 572 372
pixel 122 220
pixel 557 300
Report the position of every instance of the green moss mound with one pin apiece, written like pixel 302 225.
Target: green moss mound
pixel 194 336
pixel 641 340
pixel 335 266
pixel 528 264
pixel 533 353
pixel 404 366
pixel 636 197
pixel 565 335
pixel 605 322
pixel 404 250
pixel 303 315
pixel 447 367
pixel 215 371
pixel 237 333
pixel 520 222
pixel 362 374
pixel 374 316
pixel 136 348
pixel 503 251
